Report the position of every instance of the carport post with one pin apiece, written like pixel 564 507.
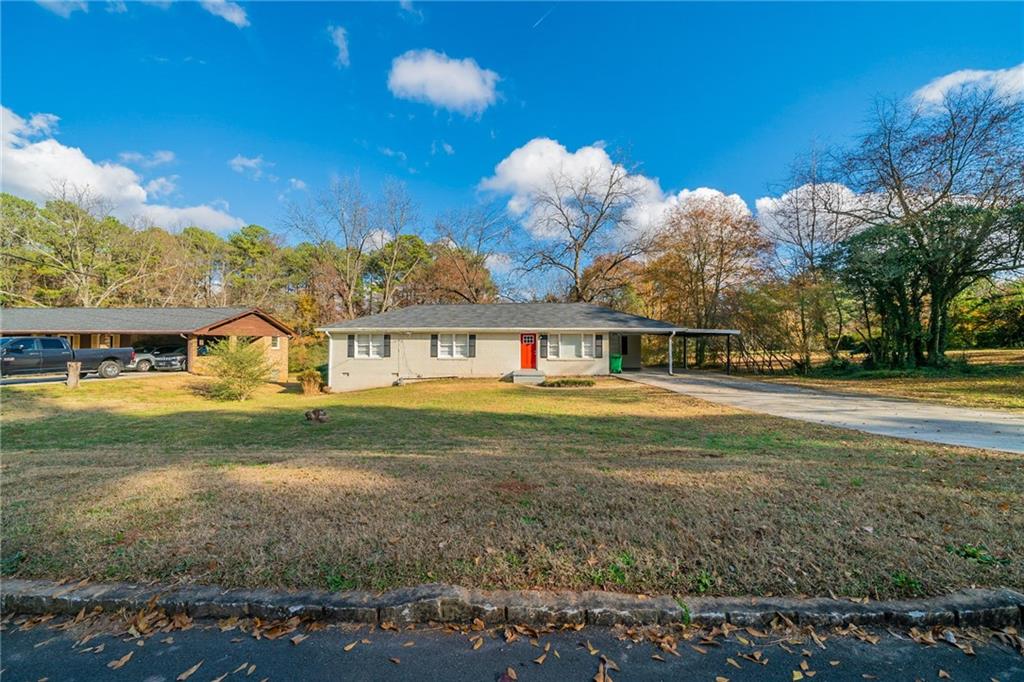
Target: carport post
pixel 728 353
pixel 684 351
pixel 670 352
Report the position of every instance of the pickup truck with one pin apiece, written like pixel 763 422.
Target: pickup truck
pixel 21 355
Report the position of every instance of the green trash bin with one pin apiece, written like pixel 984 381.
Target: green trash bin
pixel 615 363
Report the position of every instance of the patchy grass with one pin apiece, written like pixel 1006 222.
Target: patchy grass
pixel 991 379
pixel 568 382
pixel 492 485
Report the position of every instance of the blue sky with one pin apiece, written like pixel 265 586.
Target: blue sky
pixel 700 95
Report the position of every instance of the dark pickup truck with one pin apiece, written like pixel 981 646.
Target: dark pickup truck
pixel 50 355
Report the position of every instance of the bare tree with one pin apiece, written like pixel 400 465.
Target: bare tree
pixel 468 242
pixel 338 221
pixel 576 217
pixel 400 250
pixel 805 229
pixel 91 256
pixel 967 149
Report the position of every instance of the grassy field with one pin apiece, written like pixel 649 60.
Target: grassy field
pixel 988 379
pixel 617 486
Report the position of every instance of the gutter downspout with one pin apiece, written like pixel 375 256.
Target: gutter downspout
pixel 670 337
pixel 330 361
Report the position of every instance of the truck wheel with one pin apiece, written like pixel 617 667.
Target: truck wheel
pixel 109 369
pixel 144 366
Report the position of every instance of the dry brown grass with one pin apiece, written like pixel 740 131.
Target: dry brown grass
pixel 485 484
pixel 991 379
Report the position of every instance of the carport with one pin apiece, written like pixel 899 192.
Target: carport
pixel 124 327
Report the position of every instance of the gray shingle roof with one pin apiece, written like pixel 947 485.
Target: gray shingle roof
pixel 120 320
pixel 518 316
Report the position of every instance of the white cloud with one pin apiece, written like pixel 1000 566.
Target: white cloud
pixel 393 153
pixel 33 162
pixel 340 39
pixel 64 8
pixel 253 166
pixel 116 6
pixel 231 12
pixel 296 184
pixel 1006 82
pixel 438 146
pixel 533 166
pixel 431 77
pixel 157 158
pixel 162 186
pixel 408 11
pixel 499 263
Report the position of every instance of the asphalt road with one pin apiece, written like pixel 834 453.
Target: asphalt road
pixel 438 655
pixel 912 419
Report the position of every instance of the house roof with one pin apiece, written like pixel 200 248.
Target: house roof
pixel 121 320
pixel 509 317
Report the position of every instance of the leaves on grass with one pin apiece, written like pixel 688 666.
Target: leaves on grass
pixel 188 673
pixel 118 663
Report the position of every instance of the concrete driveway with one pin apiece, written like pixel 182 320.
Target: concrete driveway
pixel 911 419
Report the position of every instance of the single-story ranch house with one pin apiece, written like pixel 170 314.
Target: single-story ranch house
pixel 191 328
pixel 521 341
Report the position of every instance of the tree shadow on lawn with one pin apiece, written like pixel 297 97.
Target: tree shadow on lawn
pixel 383 496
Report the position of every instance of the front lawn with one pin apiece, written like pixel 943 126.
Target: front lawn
pixel 992 379
pixel 616 486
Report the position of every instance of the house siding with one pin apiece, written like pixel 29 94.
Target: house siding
pixel 497 355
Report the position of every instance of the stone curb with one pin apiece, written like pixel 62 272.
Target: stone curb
pixel 450 604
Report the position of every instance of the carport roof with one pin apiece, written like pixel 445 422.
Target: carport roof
pixel 117 320
pixel 513 316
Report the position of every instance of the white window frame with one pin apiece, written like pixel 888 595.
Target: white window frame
pixel 374 345
pixel 555 342
pixel 453 346
pixel 275 342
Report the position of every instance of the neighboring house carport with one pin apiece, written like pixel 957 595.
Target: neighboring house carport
pixel 192 328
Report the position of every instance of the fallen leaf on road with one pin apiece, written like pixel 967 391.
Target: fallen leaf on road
pixel 510 673
pixel 943 675
pixel 477 625
pixel 656 657
pixel 240 668
pixel 733 663
pixel 477 643
pixel 699 650
pixel 350 646
pixel 221 678
pixel 797 675
pixel 188 673
pixel 409 644
pixel 299 639
pixel 119 663
pixel 388 625
pixel 395 660
pixel 540 659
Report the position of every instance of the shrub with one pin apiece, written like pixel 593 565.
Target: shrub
pixel 239 369
pixel 568 382
pixel 311 381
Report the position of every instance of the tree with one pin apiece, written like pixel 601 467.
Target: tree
pixel 709 247
pixel 577 216
pixel 81 254
pixel 398 257
pixel 468 243
pixel 254 275
pixel 338 222
pixel 805 232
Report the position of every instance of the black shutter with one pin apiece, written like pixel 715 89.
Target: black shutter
pixel 433 345
pixel 387 346
pixel 543 345
pixel 472 345
pixel 351 345
pixel 599 346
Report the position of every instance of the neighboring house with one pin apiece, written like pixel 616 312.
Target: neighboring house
pixel 521 341
pixel 191 328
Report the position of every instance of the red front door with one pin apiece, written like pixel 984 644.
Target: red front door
pixel 528 351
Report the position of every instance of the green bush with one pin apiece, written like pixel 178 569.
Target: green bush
pixel 567 382
pixel 239 370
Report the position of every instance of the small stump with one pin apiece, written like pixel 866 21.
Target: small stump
pixel 74 374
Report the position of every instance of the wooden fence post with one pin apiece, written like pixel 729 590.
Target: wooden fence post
pixel 74 374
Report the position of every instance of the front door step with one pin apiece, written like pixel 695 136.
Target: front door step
pixel 527 376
